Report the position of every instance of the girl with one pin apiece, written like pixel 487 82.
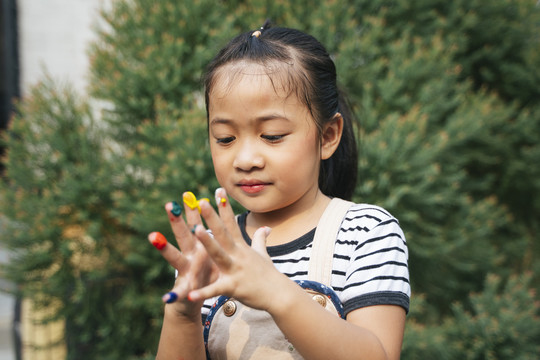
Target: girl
pixel 282 145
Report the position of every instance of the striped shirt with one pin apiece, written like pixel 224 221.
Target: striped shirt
pixel 370 259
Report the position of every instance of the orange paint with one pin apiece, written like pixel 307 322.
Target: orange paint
pixel 158 240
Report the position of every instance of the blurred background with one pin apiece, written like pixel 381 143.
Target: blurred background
pixel 102 122
pixel 37 38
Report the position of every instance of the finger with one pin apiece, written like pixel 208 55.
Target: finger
pixel 214 289
pixel 259 241
pixel 170 297
pixel 226 213
pixel 192 209
pixel 214 249
pixel 180 291
pixel 215 223
pixel 225 210
pixel 176 259
pixel 182 233
pixel 169 252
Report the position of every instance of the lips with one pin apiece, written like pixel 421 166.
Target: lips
pixel 252 186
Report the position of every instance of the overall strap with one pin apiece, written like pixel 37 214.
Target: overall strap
pixel 322 253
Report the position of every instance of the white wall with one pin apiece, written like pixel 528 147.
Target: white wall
pixel 54 37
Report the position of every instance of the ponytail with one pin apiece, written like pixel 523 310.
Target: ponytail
pixel 338 174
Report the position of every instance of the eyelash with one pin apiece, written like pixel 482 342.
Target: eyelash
pixel 273 138
pixel 225 140
pixel 269 138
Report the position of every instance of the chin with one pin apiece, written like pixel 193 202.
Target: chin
pixel 257 206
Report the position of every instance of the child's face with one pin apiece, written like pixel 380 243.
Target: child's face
pixel 264 144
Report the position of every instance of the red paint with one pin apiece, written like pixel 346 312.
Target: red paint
pixel 158 241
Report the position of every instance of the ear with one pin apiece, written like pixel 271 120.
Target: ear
pixel 331 136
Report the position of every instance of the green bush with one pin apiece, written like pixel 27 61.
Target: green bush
pixel 501 322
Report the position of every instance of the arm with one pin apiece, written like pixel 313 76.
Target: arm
pixel 181 333
pixel 374 332
pixel 181 336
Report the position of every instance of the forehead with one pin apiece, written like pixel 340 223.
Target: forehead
pixel 276 74
pixel 255 91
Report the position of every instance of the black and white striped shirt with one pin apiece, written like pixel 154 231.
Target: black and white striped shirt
pixel 370 259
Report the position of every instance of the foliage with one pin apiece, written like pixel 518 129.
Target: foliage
pixel 502 323
pixel 448 103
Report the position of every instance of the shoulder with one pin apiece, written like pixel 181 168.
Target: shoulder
pixel 366 217
pixel 375 211
pixel 367 225
pixel 373 258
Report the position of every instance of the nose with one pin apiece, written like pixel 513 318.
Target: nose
pixel 248 157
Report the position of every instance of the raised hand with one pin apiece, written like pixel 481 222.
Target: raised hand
pixel 195 268
pixel 245 273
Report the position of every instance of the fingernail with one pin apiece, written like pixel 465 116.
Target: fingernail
pixel 199 203
pixel 191 200
pixel 220 197
pixel 267 230
pixel 158 240
pixel 176 209
pixel 169 297
pixel 193 229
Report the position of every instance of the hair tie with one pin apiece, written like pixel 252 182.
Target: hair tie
pixel 257 33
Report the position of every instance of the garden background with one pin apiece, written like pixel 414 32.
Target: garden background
pixel 448 100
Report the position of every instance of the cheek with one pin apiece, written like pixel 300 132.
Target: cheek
pixel 306 148
pixel 221 167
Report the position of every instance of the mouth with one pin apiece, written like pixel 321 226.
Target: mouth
pixel 252 186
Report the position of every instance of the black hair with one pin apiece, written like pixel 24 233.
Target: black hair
pixel 311 75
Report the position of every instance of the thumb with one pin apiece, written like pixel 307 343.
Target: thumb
pixel 259 240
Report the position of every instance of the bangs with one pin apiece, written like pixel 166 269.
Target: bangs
pixel 287 78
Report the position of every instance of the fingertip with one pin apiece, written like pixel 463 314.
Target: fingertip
pixel 190 200
pixel 265 230
pixel 169 297
pixel 175 208
pixel 204 202
pixel 152 236
pixel 260 239
pixel 157 239
pixel 221 197
pixel 192 296
pixel 220 192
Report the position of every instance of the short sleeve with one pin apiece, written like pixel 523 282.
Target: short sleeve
pixel 377 272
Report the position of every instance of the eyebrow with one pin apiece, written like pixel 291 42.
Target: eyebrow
pixel 264 118
pixel 217 121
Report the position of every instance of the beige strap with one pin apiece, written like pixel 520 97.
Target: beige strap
pixel 322 253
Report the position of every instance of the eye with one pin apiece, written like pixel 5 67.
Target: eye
pixel 225 140
pixel 273 138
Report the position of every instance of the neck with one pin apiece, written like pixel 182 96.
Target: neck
pixel 290 222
